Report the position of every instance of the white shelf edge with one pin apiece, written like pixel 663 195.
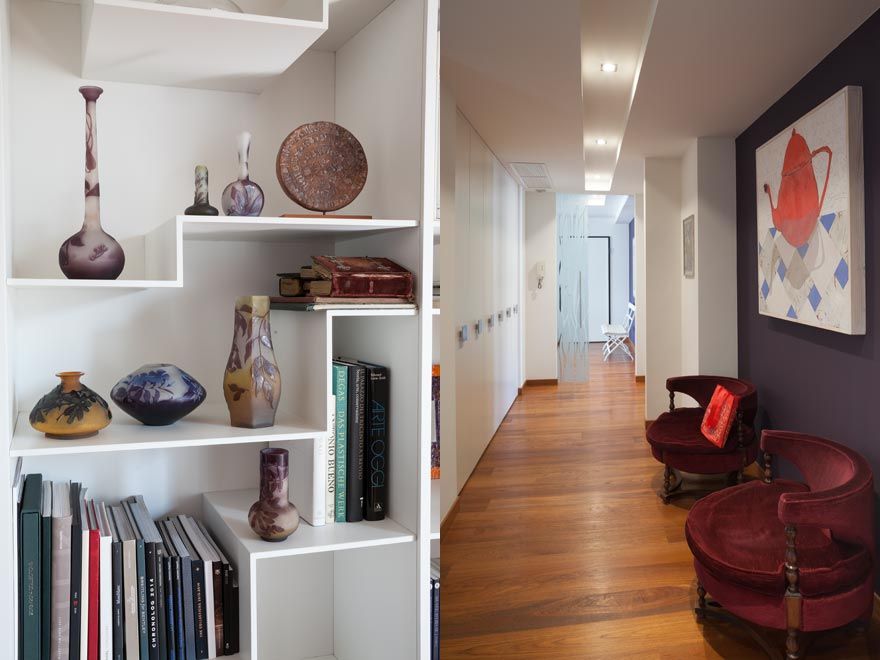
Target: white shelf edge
pixel 329 222
pixel 212 13
pixel 61 283
pixel 105 442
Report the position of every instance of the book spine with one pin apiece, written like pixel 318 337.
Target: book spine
pixel 217 573
pixel 372 285
pixel 130 584
pixel 46 585
pixel 228 610
pixel 435 421
pixel 94 630
pixel 340 389
pixel 175 567
pixel 105 598
pixel 199 612
pixel 161 615
pixel 152 612
pixel 234 634
pixel 30 567
pixel 435 619
pixel 189 625
pixel 75 621
pixel 118 632
pixel 376 449
pixel 355 472
pixel 86 595
pixel 143 614
pixel 61 566
pixel 209 609
pixel 330 493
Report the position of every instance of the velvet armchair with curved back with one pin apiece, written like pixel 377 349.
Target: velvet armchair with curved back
pixel 677 441
pixel 788 555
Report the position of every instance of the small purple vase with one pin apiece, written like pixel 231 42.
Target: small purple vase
pixel 273 517
pixel 242 197
pixel 91 253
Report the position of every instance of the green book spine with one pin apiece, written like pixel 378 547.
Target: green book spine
pixel 30 568
pixel 340 390
pixel 45 586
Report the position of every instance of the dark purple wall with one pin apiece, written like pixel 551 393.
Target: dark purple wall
pixel 813 380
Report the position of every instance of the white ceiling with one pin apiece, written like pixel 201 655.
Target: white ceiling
pixel 346 19
pixel 705 68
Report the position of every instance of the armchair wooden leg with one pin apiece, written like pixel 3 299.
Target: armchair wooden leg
pixel 667 484
pixel 793 644
pixel 701 602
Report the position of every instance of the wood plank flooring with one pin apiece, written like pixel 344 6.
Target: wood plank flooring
pixel 561 548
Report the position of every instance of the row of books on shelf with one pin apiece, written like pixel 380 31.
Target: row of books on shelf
pixel 99 582
pixel 434 611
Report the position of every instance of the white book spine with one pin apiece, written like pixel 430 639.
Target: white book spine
pixel 84 600
pixel 308 476
pixel 105 600
pixel 330 478
pixel 319 485
pixel 129 577
pixel 209 609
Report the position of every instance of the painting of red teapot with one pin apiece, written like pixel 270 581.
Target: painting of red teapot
pixel 811 218
pixel 798 202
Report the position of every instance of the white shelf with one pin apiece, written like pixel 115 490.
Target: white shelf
pixel 207 425
pixel 164 245
pixel 230 509
pixel 146 42
pixel 435 509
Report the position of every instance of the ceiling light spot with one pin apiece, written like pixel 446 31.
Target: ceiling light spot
pixel 608 67
pixel 601 141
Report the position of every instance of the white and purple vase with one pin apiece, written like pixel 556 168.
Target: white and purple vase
pixel 158 394
pixel 91 253
pixel 243 196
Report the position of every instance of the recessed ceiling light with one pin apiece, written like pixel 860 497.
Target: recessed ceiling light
pixel 608 67
pixel 601 141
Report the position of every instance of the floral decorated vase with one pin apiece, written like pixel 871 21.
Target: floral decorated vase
pixel 273 517
pixel 71 410
pixel 252 381
pixel 158 394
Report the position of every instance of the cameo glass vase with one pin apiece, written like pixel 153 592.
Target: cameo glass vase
pixel 243 196
pixel 273 517
pixel 91 253
pixel 158 394
pixel 71 410
pixel 200 205
pixel 252 382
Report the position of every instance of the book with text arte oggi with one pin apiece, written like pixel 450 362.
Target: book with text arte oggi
pixel 117 585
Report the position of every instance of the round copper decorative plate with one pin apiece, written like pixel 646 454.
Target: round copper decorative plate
pixel 321 166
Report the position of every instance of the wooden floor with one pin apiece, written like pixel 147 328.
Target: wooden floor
pixel 561 549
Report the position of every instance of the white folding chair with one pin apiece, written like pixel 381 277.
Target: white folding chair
pixel 616 335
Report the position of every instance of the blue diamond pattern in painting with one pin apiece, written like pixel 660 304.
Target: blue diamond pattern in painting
pixel 827 220
pixel 842 273
pixel 814 297
pixel 802 250
pixel 781 270
pixel 765 289
pixel 773 231
pixel 791 313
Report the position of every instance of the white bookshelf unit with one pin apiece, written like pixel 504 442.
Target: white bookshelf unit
pixel 179 85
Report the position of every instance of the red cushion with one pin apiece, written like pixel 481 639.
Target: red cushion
pixel 679 432
pixel 736 534
pixel 719 416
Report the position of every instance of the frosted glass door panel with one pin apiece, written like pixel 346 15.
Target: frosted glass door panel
pixel 571 254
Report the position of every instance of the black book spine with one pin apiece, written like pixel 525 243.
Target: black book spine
pixel 200 615
pixel 75 572
pixel 435 619
pixel 354 483
pixel 227 610
pixel 232 637
pixel 118 601
pixel 217 576
pixel 152 591
pixel 174 565
pixel 376 445
pixel 161 616
pixel 45 586
pixel 189 626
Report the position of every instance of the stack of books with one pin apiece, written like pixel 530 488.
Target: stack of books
pixel 110 583
pixel 331 282
pixel 435 609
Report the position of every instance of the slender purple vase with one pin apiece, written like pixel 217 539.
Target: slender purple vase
pixel 91 253
pixel 273 517
pixel 243 196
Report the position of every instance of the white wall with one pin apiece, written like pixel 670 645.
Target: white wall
pixel 690 312
pixel 540 304
pixel 663 279
pixel 639 274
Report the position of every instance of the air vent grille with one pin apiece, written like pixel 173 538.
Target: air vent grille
pixel 534 176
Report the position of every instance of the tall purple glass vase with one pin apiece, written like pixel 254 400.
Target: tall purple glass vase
pixel 273 517
pixel 91 253
pixel 243 196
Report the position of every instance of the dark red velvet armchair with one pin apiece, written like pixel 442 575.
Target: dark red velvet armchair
pixel 788 555
pixel 676 440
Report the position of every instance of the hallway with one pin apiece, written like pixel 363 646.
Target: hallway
pixel 561 549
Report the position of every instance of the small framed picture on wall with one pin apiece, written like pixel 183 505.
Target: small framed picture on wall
pixel 687 233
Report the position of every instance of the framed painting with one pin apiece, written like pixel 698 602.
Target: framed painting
pixel 811 218
pixel 687 237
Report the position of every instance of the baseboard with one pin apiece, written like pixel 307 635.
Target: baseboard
pixel 449 517
pixel 541 381
pixel 640 379
pixel 519 391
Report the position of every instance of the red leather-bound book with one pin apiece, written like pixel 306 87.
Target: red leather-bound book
pixel 94 587
pixel 364 277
